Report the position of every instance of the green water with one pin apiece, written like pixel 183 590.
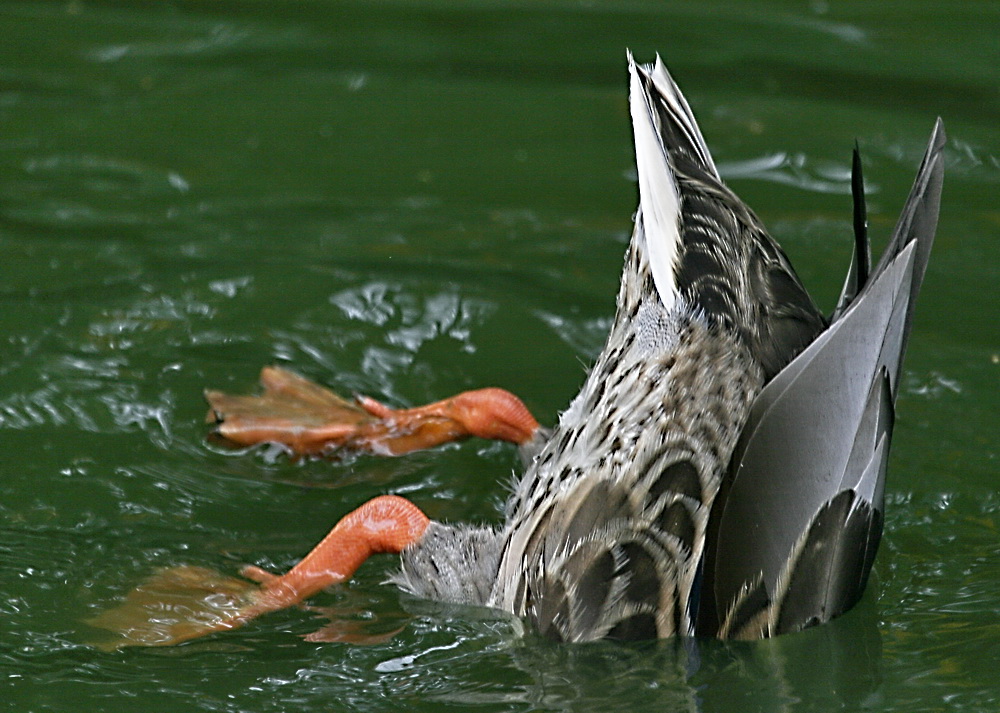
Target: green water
pixel 407 199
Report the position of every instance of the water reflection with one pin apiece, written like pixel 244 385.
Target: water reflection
pixel 835 666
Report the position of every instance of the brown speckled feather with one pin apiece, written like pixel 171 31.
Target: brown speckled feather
pixel 605 530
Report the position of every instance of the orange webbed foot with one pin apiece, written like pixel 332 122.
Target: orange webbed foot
pixel 304 416
pixel 175 605
pixel 312 420
pixel 182 603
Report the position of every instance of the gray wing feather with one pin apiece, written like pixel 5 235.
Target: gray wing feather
pixel 804 492
pixel 917 224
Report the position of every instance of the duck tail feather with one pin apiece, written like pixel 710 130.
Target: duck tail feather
pixel 658 217
pixel 676 119
pixel 858 272
pixel 703 247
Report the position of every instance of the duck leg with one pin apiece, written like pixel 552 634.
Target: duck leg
pixel 184 603
pixel 312 420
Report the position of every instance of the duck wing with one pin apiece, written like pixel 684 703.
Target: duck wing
pixel 799 516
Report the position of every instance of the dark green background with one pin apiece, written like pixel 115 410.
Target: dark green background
pixel 407 199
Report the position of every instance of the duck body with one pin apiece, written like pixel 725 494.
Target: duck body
pixel 617 527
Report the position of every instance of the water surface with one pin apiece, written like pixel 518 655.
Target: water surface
pixel 406 200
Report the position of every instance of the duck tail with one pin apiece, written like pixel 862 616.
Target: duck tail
pixel 703 247
pixel 677 129
pixel 658 219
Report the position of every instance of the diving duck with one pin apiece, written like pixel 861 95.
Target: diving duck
pixel 721 471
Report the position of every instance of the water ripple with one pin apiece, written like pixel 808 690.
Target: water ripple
pixel 795 169
pixel 586 337
pixel 219 37
pixel 47 406
pixel 408 321
pixel 87 190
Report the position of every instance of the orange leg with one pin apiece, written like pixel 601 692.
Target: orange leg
pixel 387 523
pixel 187 602
pixel 312 420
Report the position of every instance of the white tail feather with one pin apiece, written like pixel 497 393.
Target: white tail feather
pixel 659 200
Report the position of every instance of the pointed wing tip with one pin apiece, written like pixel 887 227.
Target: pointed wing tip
pixel 933 163
pixel 930 176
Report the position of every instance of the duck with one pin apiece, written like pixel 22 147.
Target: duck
pixel 721 472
